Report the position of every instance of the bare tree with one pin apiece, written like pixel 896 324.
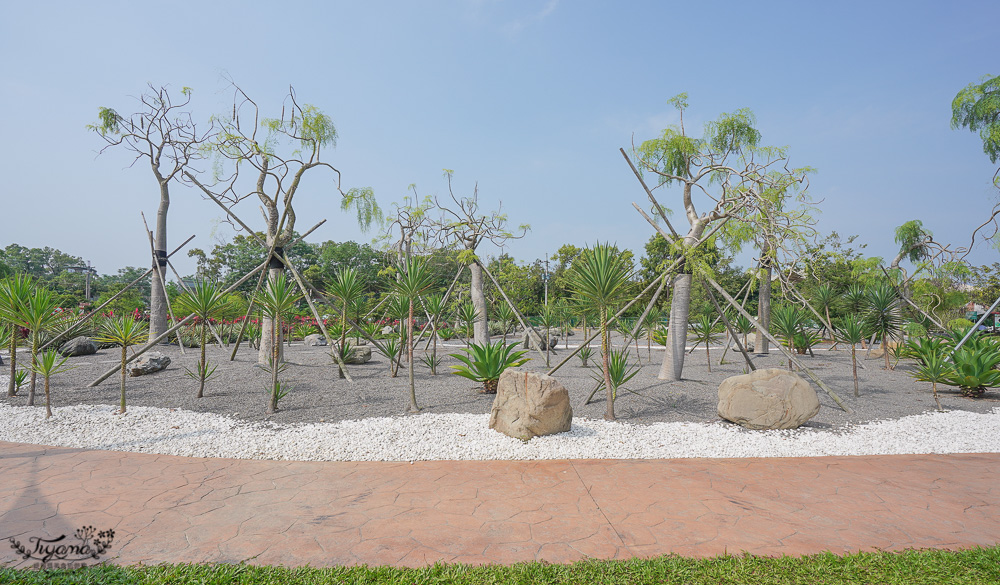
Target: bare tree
pixel 164 134
pixel 463 223
pixel 276 153
pixel 730 172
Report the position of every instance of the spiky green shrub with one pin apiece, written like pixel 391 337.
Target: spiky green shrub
pixel 484 363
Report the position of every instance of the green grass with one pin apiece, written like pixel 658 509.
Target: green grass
pixel 978 565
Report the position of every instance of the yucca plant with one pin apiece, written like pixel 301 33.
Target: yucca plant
pixel 620 371
pixel 206 301
pixel 14 292
pixel 20 378
pixel 548 317
pixel 786 321
pixel 585 354
pixel 806 340
pixel 653 320
pixel 600 283
pixel 922 347
pixel 882 315
pixel 48 364
pixel 706 331
pixel 37 314
pixel 467 315
pixel 485 363
pixel 825 298
pixel 435 307
pixel 123 331
pixel 625 326
pixel 855 300
pixel 410 283
pixel 742 325
pixel 391 352
pixel 852 331
pixel 934 368
pixel 347 288
pixel 505 315
pixel 973 369
pixel 277 301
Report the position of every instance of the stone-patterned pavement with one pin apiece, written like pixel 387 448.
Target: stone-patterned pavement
pixel 177 509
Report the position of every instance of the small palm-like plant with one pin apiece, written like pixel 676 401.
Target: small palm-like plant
pixel 277 301
pixel 467 315
pixel 435 306
pixel 825 299
pixel 620 370
pixel 855 300
pixel 37 314
pixel 48 364
pixel 124 331
pixel 933 367
pixel 390 349
pixel 600 283
pixel 882 315
pixel 207 302
pixel 973 369
pixel 547 318
pixel 585 354
pixel 14 292
pixel 787 320
pixel 742 325
pixel 347 288
pixel 706 331
pixel 414 279
pixel 505 315
pixel 485 363
pixel 852 332
pixel 653 320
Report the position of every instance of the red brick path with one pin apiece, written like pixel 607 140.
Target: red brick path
pixel 177 509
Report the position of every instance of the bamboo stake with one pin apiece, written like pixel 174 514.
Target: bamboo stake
pixel 781 347
pixel 729 327
pixel 527 326
pixel 94 312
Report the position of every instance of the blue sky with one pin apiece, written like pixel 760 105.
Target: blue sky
pixel 531 99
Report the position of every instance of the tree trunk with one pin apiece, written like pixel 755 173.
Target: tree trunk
pixel 480 328
pixel 609 414
pixel 121 405
pixel 760 343
pixel 409 354
pixel 854 365
pixel 34 363
pixel 673 357
pixel 48 403
pixel 202 366
pixel 11 387
pixel 267 325
pixel 158 322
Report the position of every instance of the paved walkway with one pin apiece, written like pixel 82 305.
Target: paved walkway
pixel 177 509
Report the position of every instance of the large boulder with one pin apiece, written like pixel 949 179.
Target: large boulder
pixel 529 404
pixel 148 363
pixel 359 355
pixel 314 340
pixel 77 346
pixel 772 398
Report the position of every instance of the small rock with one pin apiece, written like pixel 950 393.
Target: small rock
pixel 529 404
pixel 148 363
pixel 528 340
pixel 388 330
pixel 78 346
pixel 771 398
pixel 359 355
pixel 314 340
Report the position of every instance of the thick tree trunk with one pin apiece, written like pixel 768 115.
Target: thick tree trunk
pixel 760 343
pixel 481 329
pixel 158 321
pixel 673 357
pixel 268 337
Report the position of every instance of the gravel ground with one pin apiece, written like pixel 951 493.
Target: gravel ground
pixel 165 417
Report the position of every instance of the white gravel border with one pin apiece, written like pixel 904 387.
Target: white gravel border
pixel 467 437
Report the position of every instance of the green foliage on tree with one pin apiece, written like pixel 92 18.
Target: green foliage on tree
pixel 977 108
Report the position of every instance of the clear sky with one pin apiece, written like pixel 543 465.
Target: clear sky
pixel 531 99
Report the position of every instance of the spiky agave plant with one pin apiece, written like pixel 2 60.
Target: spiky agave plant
pixel 485 363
